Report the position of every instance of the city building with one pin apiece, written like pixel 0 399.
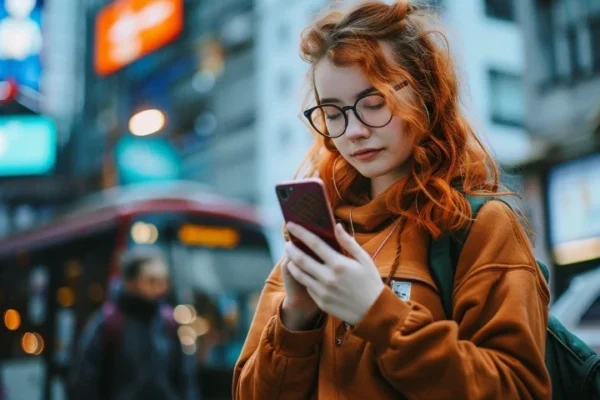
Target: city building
pixel 562 86
pixel 187 88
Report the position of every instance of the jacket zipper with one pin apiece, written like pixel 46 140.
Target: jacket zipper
pixel 333 356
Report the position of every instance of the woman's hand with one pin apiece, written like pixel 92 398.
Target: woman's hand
pixel 298 309
pixel 342 286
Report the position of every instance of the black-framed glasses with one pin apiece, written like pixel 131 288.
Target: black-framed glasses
pixel 371 109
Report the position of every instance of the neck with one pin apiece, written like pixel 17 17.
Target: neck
pixel 381 183
pixel 135 305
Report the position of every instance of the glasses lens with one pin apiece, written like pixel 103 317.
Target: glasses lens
pixel 373 111
pixel 328 120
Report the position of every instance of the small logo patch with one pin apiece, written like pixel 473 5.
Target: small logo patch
pixel 402 290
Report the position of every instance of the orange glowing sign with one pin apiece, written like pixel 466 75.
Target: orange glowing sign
pixel 209 236
pixel 129 29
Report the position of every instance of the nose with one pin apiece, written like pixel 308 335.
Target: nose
pixel 356 130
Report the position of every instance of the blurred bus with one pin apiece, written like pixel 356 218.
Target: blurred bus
pixel 55 276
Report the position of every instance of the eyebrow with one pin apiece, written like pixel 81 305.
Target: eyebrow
pixel 365 92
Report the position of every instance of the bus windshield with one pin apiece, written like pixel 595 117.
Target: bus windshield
pixel 217 290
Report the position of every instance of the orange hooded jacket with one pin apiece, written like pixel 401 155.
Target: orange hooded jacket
pixel 493 348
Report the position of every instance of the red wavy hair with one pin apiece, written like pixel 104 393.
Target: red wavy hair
pixel 393 43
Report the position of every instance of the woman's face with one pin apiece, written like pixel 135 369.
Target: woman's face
pixel 381 154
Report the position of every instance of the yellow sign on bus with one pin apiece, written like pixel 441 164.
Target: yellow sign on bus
pixel 209 236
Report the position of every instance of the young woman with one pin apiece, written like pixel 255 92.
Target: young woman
pixel 397 158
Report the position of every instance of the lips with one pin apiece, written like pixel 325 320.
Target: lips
pixel 366 154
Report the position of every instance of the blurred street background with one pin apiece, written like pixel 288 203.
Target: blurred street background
pixel 169 122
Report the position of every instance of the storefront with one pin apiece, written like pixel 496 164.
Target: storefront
pixel 573 215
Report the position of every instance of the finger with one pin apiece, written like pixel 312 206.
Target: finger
pixel 305 262
pixel 349 244
pixel 302 277
pixel 317 297
pixel 284 263
pixel 315 243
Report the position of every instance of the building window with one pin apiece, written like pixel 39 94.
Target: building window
pixel 506 98
pixel 572 36
pixel 594 26
pixel 500 9
pixel 569 36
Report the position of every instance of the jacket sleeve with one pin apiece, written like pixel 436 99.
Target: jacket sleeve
pixel 87 366
pixel 275 362
pixel 494 346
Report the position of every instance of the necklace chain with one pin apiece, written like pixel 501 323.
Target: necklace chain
pixel 384 240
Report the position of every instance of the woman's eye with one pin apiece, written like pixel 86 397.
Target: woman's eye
pixel 332 117
pixel 373 103
pixel 376 106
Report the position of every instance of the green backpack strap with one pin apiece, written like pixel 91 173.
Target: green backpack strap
pixel 573 366
pixel 442 271
pixel 443 257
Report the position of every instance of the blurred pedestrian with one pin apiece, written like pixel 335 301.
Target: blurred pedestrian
pixel 398 159
pixel 130 350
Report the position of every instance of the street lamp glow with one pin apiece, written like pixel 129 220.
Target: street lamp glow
pixel 32 343
pixel 143 233
pixel 12 320
pixel 147 122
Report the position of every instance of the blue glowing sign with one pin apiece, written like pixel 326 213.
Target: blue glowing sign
pixel 27 145
pixel 143 159
pixel 21 41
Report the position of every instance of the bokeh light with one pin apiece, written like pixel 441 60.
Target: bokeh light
pixel 186 331
pixel 12 320
pixel 147 122
pixel 143 233
pixel 189 349
pixel 65 296
pixel 201 326
pixel 184 314
pixel 32 343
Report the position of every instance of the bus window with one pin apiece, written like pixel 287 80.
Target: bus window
pixel 24 333
pixel 220 287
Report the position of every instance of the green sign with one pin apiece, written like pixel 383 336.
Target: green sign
pixel 27 145
pixel 143 159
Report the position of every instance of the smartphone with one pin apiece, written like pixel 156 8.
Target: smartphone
pixel 304 202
